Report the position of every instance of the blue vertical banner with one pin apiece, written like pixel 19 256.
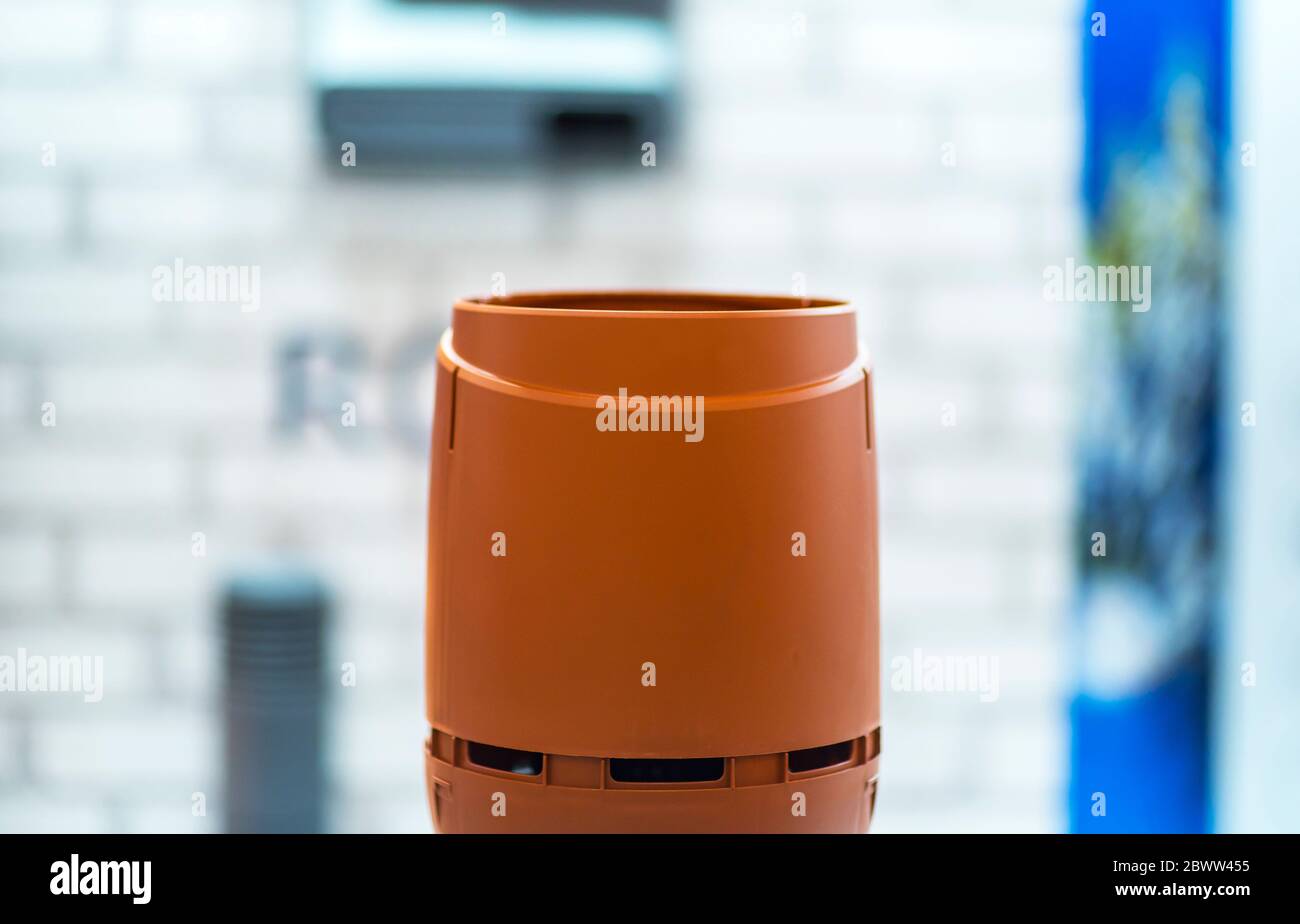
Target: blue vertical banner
pixel 1155 83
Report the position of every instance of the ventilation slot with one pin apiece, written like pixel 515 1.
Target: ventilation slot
pixel 828 755
pixel 690 770
pixel 527 763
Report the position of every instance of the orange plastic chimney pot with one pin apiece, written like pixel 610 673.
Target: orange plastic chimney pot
pixel 652 599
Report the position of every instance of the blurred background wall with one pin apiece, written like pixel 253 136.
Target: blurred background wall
pixel 1257 691
pixel 919 158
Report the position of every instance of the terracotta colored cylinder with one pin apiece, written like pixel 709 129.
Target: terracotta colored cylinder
pixel 653 582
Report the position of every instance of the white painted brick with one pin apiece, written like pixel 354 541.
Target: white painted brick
pixel 389 664
pixel 127 665
pixel 759 39
pixel 1001 144
pixel 783 50
pixel 912 408
pixel 936 811
pixel 323 476
pixel 1058 232
pixel 924 574
pixel 1009 317
pixel 162 745
pixel 92 125
pixel 349 291
pixel 171 811
pixel 123 570
pixel 379 747
pixel 1057 14
pixel 1048 575
pixel 55 33
pixel 948 413
pixel 10 756
pixel 16 407
pixel 737 267
pixel 501 211
pixel 221 333
pixel 62 309
pixel 1029 753
pixel 965 60
pixel 27 566
pixel 263 130
pixel 1033 673
pixel 229 39
pixel 745 220
pixel 808 142
pixel 931 233
pixel 65 481
pixel 380 576
pixel 192 659
pixel 400 811
pixel 46 809
pixel 187 215
pixel 165 395
pixel 929 754
pixel 34 215
pixel 631 208
pixel 996 490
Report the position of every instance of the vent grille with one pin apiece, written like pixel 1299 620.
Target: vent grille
pixel 508 760
pixel 828 755
pixel 688 770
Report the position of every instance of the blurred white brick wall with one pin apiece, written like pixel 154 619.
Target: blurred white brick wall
pixel 813 142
